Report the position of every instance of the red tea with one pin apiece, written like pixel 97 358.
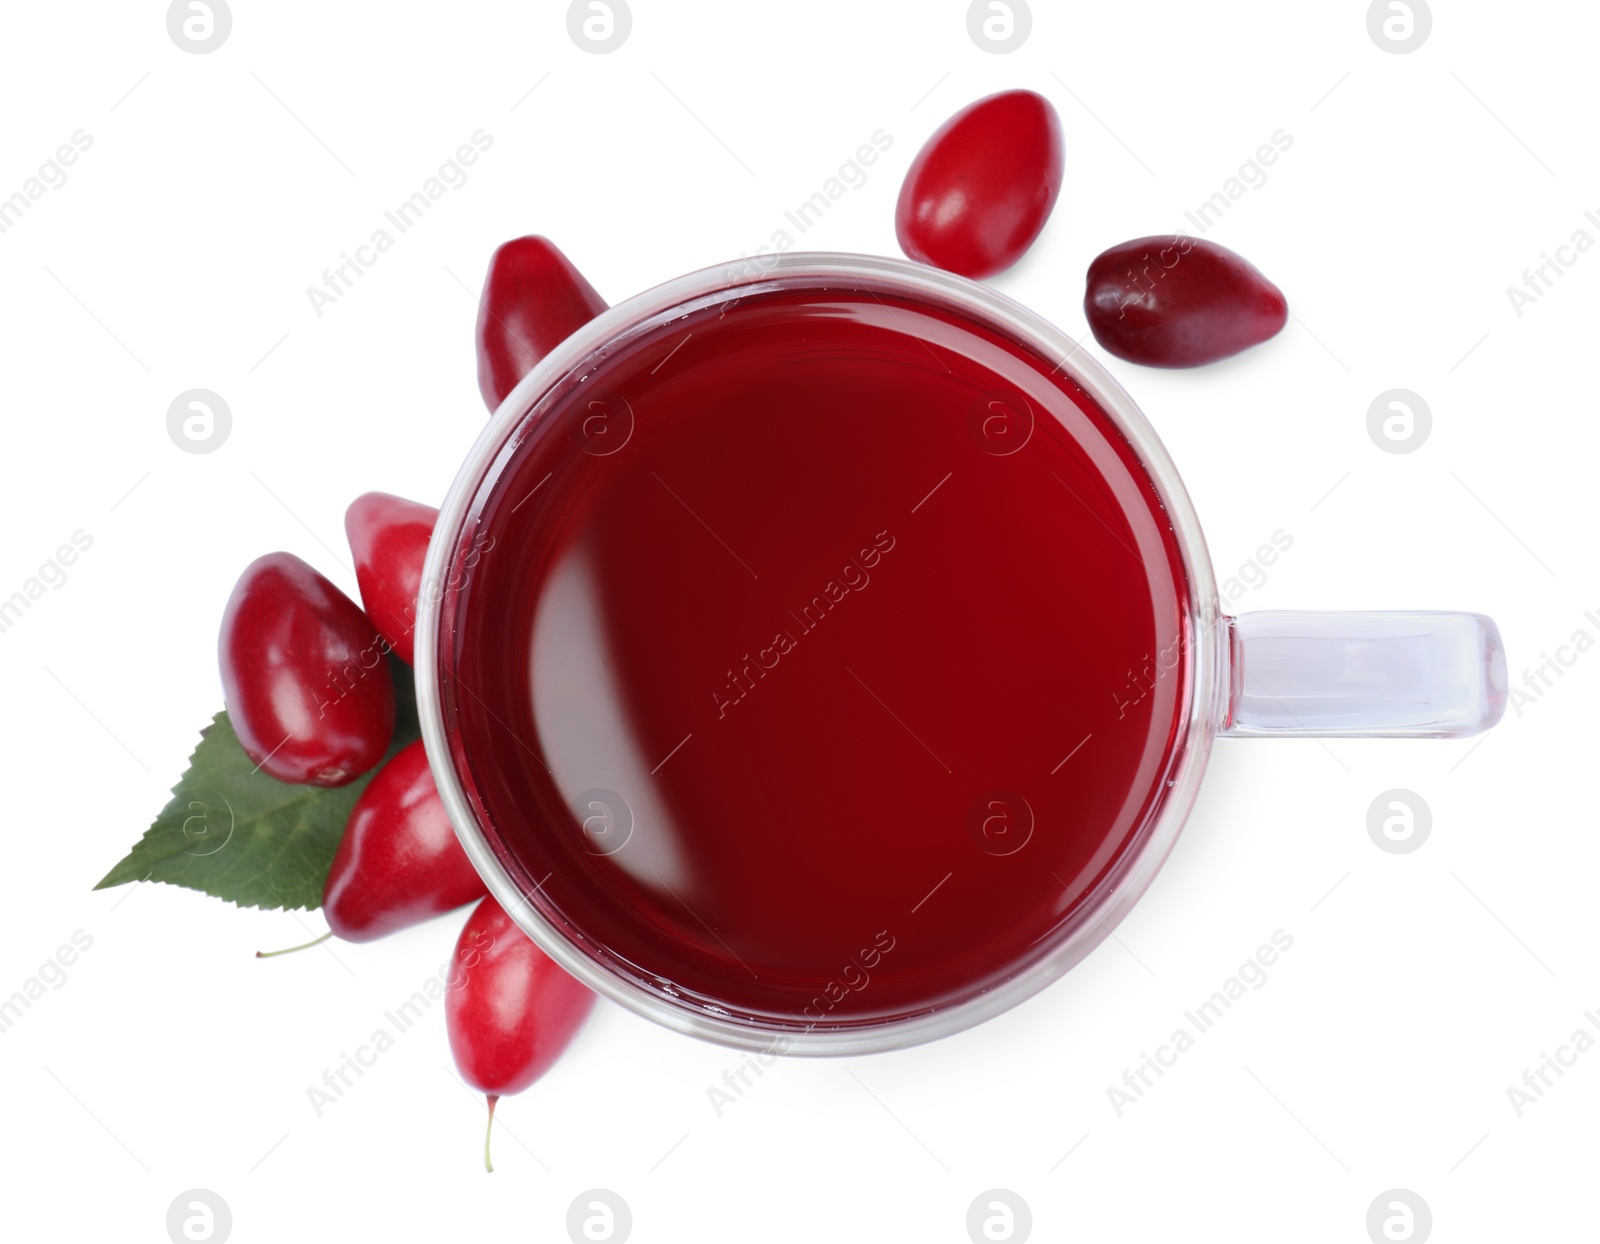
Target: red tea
pixel 808 655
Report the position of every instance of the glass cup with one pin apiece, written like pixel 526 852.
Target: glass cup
pixel 1278 673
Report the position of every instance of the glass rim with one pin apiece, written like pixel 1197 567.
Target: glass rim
pixel 1201 708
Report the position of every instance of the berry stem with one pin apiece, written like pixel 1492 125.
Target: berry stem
pixel 270 954
pixel 487 1164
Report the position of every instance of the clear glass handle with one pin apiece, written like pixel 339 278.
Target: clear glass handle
pixel 1382 675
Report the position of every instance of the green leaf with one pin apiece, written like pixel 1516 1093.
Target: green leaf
pixel 233 832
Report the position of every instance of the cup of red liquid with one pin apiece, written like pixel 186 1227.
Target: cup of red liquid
pixel 822 655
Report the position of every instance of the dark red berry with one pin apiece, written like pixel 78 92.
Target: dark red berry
pixel 1179 302
pixel 510 1011
pixel 399 862
pixel 982 187
pixel 533 300
pixel 304 678
pixel 389 537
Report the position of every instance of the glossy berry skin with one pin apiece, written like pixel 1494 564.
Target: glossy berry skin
pixel 304 678
pixel 1179 302
pixel 510 1010
pixel 389 537
pixel 399 862
pixel 982 187
pixel 533 300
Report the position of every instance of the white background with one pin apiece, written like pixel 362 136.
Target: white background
pixel 177 255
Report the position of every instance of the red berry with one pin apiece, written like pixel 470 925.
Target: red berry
pixel 399 862
pixel 389 537
pixel 510 1010
pixel 533 300
pixel 982 187
pixel 303 675
pixel 1180 302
